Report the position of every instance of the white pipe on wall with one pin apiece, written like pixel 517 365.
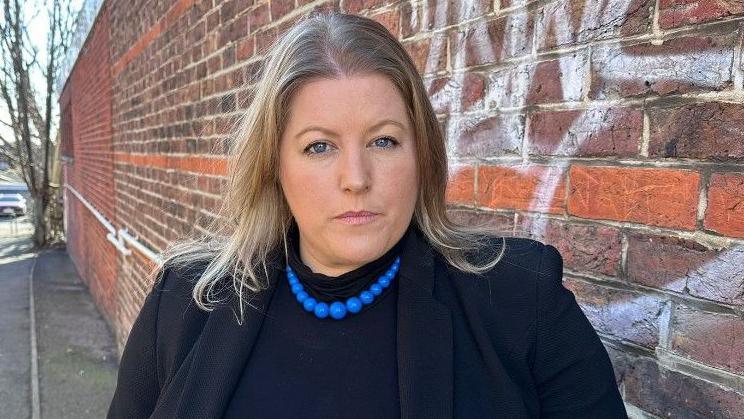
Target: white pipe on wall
pixel 119 238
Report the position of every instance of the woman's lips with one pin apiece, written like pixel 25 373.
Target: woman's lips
pixel 358 218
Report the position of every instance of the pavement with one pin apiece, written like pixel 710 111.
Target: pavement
pixel 57 354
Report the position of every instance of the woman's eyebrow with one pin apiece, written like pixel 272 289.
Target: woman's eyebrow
pixel 333 134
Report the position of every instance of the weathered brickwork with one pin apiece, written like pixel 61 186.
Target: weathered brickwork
pixel 609 129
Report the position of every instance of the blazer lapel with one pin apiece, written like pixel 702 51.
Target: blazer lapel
pixel 425 339
pixel 204 388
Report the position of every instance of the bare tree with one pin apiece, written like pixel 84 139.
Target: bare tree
pixel 30 107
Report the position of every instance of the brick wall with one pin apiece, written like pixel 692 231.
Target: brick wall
pixel 86 132
pixel 611 130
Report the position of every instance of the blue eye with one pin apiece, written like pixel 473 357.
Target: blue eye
pixel 313 149
pixel 321 147
pixel 392 143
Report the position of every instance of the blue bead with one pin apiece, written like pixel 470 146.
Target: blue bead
pixel 309 304
pixel 301 296
pixel 366 297
pixel 338 310
pixel 354 304
pixel 321 310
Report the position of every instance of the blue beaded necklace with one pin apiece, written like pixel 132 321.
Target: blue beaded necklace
pixel 338 309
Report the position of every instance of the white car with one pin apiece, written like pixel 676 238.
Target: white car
pixel 12 204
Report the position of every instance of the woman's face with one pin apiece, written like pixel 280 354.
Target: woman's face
pixel 348 146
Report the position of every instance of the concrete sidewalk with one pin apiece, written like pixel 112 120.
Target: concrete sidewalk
pixel 65 366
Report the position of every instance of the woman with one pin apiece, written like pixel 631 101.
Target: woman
pixel 334 285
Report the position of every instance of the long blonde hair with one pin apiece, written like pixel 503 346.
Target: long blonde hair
pixel 254 216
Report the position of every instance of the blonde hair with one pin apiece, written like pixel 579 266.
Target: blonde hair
pixel 254 217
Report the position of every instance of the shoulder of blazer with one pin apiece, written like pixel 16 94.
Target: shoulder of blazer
pixel 521 257
pixel 179 319
pixel 504 299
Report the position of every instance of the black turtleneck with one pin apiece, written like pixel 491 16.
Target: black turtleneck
pixel 303 366
pixel 327 288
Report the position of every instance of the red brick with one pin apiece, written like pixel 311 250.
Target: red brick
pixel 725 209
pixel 191 163
pixel 259 16
pixel 709 130
pixel 664 262
pixel 489 42
pixel 680 65
pixel 326 7
pixel 586 133
pixel 585 248
pixel 686 266
pixel 213 20
pixel 235 30
pixel 197 33
pixel 264 39
pixel 410 19
pixel 245 48
pixel 569 22
pixel 356 6
pixel 625 315
pixel 515 3
pixel 670 394
pixel 444 13
pixel 658 197
pixel 468 87
pixel 528 188
pixel 461 186
pixel 500 224
pixel 713 339
pixel 391 20
pixel 178 9
pixel 280 8
pixel 675 13
pixel 473 91
pixel 486 136
pixel 429 55
pixel 559 80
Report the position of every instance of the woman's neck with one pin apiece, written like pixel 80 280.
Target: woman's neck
pixel 326 268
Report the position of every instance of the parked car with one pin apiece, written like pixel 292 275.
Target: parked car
pixel 12 204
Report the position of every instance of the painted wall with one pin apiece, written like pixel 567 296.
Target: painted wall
pixel 611 129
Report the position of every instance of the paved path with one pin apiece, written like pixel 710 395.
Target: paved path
pixel 67 368
pixel 15 349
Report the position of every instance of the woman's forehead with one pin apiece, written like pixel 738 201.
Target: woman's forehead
pixel 365 101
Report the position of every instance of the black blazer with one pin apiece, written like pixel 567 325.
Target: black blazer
pixel 512 343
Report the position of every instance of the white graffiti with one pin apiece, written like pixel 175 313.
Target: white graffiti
pixel 509 89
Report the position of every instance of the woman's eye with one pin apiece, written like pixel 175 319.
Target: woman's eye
pixel 316 148
pixel 321 147
pixel 387 142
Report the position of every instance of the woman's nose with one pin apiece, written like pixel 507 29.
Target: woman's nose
pixel 354 171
